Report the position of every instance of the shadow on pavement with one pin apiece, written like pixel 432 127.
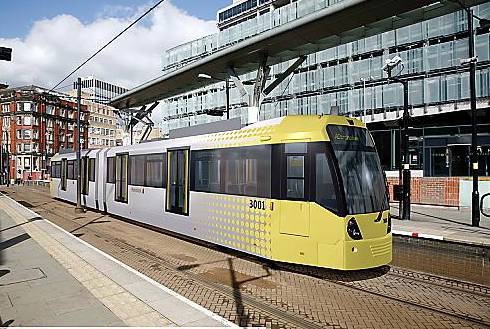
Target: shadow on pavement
pixel 6 323
pixel 17 225
pixel 93 221
pixel 13 241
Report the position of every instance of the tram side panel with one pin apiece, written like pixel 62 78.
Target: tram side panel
pixel 237 222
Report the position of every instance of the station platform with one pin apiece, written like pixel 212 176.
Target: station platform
pixel 49 277
pixel 443 224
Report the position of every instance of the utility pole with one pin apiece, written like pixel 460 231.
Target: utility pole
pixel 78 208
pixel 475 196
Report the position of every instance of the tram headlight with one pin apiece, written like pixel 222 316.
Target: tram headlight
pixel 388 229
pixel 353 229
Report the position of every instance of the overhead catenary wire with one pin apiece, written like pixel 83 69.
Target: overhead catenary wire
pixel 108 43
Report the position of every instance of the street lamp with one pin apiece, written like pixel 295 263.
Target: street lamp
pixel 391 64
pixel 475 196
pixel 227 88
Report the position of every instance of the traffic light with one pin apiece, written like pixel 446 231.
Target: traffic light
pixel 5 54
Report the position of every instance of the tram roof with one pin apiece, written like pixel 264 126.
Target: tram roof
pixel 344 22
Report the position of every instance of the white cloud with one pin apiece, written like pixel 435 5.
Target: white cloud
pixel 55 46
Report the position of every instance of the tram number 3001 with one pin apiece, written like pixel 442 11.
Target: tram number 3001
pixel 257 204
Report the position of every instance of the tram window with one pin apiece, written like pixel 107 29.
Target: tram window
pixel 121 193
pixel 248 170
pixel 296 166
pixel 71 169
pixel 111 170
pixel 84 175
pixel 56 169
pixel 91 168
pixel 295 176
pixel 156 170
pixel 207 171
pixel 238 171
pixel 137 170
pixel 326 193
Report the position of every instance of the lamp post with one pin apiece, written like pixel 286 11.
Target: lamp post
pixel 472 60
pixel 390 64
pixel 227 90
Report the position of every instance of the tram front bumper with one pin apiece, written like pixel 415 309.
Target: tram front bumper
pixel 356 255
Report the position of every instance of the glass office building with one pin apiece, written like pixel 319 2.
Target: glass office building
pixel 349 79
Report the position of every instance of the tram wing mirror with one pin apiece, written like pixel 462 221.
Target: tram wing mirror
pixel 482 205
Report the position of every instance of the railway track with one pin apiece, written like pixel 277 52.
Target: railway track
pixel 419 305
pixel 452 286
pixel 257 310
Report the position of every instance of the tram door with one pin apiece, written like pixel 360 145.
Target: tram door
pixel 295 209
pixel 64 173
pixel 178 182
pixel 121 178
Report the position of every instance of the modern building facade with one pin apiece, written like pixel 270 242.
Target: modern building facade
pixel 349 79
pixel 35 124
pixel 100 91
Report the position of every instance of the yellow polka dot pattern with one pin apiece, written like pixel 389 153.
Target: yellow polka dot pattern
pixel 232 223
pixel 237 138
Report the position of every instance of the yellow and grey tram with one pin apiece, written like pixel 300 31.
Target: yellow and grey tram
pixel 298 189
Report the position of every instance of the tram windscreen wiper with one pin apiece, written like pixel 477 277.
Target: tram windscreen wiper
pixel 360 169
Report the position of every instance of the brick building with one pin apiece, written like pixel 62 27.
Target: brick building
pixel 35 124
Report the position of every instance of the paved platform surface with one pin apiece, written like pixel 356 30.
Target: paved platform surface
pixel 49 277
pixel 442 223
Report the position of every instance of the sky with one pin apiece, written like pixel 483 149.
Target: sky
pixel 51 37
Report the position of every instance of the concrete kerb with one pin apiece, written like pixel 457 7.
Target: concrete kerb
pixel 426 236
pixel 206 312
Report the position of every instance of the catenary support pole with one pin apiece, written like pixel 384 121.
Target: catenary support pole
pixel 475 196
pixel 78 208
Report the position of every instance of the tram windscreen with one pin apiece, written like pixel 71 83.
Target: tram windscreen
pixel 359 165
